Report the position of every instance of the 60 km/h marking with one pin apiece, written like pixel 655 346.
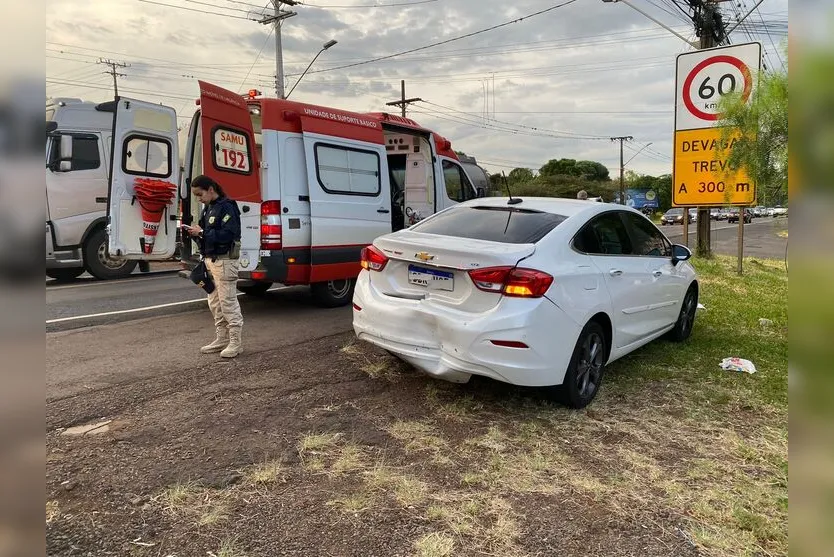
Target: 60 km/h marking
pixel 707 91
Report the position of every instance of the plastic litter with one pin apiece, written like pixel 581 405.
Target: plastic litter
pixel 737 364
pixel 701 307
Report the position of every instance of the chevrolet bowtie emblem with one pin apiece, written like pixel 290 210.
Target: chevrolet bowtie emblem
pixel 423 256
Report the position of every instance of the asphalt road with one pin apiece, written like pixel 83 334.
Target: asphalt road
pixel 764 238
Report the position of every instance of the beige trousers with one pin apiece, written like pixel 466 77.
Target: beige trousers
pixel 223 301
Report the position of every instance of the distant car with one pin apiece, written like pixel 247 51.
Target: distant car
pixel 770 211
pixel 714 214
pixel 780 211
pixel 540 292
pixel 724 214
pixel 673 216
pixel 733 217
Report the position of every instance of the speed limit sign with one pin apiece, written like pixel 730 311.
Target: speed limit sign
pixel 704 76
pixel 701 173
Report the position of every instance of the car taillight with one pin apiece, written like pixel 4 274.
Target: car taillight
pixel 518 283
pixel 271 234
pixel 372 259
pixel 490 279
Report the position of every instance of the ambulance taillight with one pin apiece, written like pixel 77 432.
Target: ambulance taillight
pixel 270 229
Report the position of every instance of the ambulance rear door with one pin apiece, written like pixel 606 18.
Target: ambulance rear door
pixel 230 157
pixel 144 155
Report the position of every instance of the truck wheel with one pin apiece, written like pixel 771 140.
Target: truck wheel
pixel 255 289
pixel 334 293
pixel 67 274
pixel 97 262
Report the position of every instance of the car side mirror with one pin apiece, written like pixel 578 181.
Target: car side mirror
pixel 680 253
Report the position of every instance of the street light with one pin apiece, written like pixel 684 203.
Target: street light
pixel 324 47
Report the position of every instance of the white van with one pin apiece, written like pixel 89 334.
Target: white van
pixel 77 161
pixel 315 184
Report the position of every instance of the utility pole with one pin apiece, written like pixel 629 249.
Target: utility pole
pixel 622 139
pixel 709 28
pixel 113 65
pixel 403 102
pixel 276 20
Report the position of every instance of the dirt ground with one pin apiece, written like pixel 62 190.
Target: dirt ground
pixel 331 447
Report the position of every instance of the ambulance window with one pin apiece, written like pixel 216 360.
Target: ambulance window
pixel 146 156
pixel 458 187
pixel 346 171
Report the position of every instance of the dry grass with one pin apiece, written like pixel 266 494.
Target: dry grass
pixel 269 472
pixel 435 545
pixel 228 548
pixel 419 437
pixel 52 511
pixel 349 458
pixel 352 504
pixel 380 366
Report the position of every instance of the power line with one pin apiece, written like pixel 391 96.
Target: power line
pixel 348 6
pixel 268 36
pixel 195 10
pixel 447 41
pixel 536 129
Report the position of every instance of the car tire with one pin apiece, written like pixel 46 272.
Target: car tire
pixel 258 288
pixel 65 275
pixel 686 317
pixel 334 293
pixel 98 264
pixel 583 377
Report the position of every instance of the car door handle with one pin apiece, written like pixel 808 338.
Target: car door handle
pixel 383 211
pixel 615 272
pixel 657 273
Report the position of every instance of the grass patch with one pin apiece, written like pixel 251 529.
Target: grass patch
pixel 380 366
pixel 435 544
pixel 352 504
pixel 228 548
pixel 265 473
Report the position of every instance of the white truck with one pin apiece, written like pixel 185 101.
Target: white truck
pixel 78 138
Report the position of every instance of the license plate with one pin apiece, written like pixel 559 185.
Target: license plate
pixel 431 278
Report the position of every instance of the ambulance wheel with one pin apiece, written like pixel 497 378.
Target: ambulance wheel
pixel 256 288
pixel 97 262
pixel 334 293
pixel 67 274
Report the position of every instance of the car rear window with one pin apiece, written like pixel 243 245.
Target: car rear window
pixel 509 225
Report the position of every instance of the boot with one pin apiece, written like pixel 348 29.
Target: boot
pixel 218 343
pixel 234 347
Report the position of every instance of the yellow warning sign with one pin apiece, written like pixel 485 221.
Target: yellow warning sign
pixel 701 175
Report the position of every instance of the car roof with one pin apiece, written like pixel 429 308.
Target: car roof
pixel 556 205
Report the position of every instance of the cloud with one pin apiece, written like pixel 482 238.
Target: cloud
pixel 588 68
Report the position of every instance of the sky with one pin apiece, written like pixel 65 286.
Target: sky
pixel 558 84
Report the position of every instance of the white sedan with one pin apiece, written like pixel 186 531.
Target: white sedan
pixel 533 291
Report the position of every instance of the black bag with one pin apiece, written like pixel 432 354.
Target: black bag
pixel 202 278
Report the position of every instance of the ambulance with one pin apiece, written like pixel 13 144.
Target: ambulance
pixel 314 184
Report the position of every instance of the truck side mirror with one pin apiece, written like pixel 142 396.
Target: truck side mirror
pixel 66 153
pixel 480 192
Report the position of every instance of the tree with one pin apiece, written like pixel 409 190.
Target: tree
pixel 561 167
pixel 592 170
pixel 520 175
pixel 762 144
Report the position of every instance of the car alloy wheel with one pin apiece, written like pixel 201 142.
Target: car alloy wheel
pixel 590 364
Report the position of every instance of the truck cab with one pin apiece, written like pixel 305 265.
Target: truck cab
pixel 78 139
